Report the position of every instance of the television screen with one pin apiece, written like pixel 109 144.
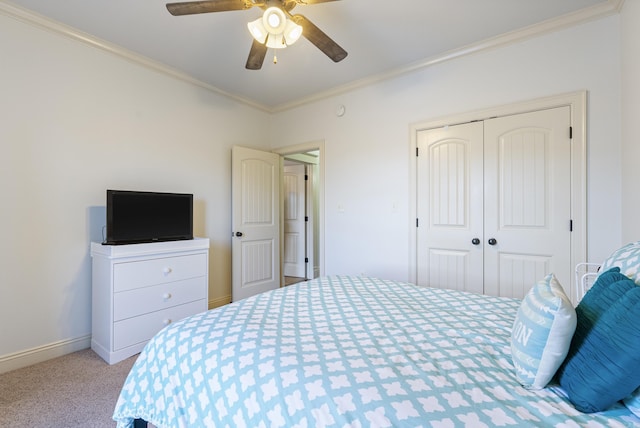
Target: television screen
pixel 137 217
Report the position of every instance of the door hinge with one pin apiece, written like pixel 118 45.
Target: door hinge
pixel 306 259
pixel 570 132
pixel 570 225
pixel 417 150
pixel 306 218
pixel 417 223
pixel 306 177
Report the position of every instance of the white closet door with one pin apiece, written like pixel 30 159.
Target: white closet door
pixel 449 193
pixel 494 203
pixel 527 207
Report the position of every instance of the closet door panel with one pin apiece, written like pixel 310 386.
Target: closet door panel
pixel 518 270
pixel 449 203
pixel 527 200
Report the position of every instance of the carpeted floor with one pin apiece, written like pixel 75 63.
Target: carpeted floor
pixel 76 390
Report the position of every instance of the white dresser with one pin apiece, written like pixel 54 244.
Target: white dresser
pixel 138 289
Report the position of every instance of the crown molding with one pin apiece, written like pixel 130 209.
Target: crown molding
pixel 610 7
pixel 48 24
pixel 592 13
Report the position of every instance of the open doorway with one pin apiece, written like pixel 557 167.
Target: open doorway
pixel 301 207
pixel 299 214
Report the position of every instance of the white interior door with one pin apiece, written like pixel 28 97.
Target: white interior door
pixel 449 185
pixel 294 220
pixel 527 201
pixel 255 206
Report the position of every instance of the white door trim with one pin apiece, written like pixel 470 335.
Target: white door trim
pixel 308 147
pixel 294 238
pixel 577 101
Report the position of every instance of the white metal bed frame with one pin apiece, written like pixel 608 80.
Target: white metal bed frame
pixel 585 275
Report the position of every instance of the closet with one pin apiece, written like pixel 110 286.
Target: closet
pixel 493 203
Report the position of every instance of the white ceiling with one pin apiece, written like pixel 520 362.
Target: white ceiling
pixel 383 38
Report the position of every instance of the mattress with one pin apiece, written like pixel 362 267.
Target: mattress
pixel 345 352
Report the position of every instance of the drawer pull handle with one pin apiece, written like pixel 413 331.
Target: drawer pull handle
pixel 166 322
pixel 166 271
pixel 166 296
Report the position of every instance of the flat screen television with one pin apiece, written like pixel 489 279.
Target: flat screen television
pixel 137 217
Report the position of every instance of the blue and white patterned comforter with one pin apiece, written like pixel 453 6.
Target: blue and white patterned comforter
pixel 344 352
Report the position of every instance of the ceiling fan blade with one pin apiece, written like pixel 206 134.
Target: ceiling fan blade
pixel 193 7
pixel 290 4
pixel 256 56
pixel 313 1
pixel 320 39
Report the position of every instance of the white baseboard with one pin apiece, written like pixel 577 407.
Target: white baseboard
pixel 43 353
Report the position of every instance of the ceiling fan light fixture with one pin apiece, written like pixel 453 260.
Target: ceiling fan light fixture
pixel 275 29
pixel 292 32
pixel 274 20
pixel 276 41
pixel 257 30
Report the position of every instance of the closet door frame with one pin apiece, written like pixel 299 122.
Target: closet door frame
pixel 577 101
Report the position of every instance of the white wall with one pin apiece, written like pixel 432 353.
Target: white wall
pixel 630 116
pixel 367 150
pixel 77 120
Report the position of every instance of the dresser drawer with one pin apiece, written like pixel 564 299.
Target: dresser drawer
pixel 140 329
pixel 132 275
pixel 131 303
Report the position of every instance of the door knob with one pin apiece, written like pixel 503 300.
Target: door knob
pixel 238 234
pixel 475 241
pixel 492 241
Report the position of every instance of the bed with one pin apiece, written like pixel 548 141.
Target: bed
pixel 345 351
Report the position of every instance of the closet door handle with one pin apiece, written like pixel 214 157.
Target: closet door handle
pixel 492 241
pixel 475 241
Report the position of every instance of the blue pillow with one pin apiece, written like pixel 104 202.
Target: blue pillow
pixel 542 333
pixel 609 287
pixel 592 299
pixel 605 365
pixel 596 301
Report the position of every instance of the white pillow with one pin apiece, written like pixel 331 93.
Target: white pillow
pixel 627 258
pixel 633 402
pixel 542 333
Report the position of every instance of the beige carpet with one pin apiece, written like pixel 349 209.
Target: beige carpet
pixel 76 390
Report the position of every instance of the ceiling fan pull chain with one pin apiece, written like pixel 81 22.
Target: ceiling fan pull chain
pixel 275 58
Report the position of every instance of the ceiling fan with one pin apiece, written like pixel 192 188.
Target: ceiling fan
pixel 277 17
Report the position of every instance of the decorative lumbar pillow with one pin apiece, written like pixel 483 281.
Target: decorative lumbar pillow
pixel 627 258
pixel 603 366
pixel 542 332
